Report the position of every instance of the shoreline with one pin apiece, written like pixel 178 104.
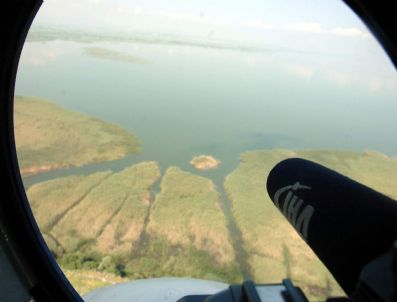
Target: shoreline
pixel 205 162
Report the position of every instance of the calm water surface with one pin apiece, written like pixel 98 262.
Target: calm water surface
pixel 185 100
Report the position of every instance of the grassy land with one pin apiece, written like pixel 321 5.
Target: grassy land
pixel 110 222
pixel 50 137
pixel 93 222
pixel 107 224
pixel 51 200
pixel 187 230
pixel 84 280
pixel 274 247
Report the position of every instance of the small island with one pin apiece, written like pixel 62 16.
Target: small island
pixel 205 162
pixel 103 53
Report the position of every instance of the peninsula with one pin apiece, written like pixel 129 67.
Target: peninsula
pixel 49 137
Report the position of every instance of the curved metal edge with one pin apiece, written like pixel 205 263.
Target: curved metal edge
pixel 379 17
pixel 23 242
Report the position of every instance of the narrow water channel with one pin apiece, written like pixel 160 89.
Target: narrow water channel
pixel 217 176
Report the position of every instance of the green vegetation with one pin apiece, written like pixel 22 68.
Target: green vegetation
pixel 87 280
pixel 110 222
pixel 111 215
pixel 188 230
pixel 51 200
pixel 108 225
pixel 50 137
pixel 113 224
pixel 274 248
pixel 85 219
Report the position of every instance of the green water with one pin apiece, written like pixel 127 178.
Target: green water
pixel 191 100
pixel 187 100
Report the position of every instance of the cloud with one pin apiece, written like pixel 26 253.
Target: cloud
pixel 201 18
pixel 349 32
pixel 308 27
pixel 382 83
pixel 340 78
pixel 61 4
pixel 128 10
pixel 252 59
pixel 300 70
pixel 257 23
pixel 175 15
pixel 304 27
pixel 314 27
pixel 375 85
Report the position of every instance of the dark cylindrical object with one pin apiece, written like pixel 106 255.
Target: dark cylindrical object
pixel 345 223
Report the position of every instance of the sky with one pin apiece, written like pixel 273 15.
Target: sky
pixel 326 28
pixel 332 12
pixel 328 17
pixel 304 24
pixel 315 41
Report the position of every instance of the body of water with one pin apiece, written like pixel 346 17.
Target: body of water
pixel 185 100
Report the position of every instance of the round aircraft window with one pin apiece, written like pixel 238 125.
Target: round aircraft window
pixel 145 132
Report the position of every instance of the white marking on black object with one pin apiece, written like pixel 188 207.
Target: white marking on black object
pixel 291 208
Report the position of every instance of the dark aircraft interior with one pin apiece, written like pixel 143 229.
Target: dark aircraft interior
pixel 350 227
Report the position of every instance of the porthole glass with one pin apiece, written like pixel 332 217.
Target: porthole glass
pixel 145 132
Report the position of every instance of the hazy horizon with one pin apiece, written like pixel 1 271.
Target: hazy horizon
pixel 246 84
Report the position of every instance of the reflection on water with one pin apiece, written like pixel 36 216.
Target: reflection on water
pixel 215 101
